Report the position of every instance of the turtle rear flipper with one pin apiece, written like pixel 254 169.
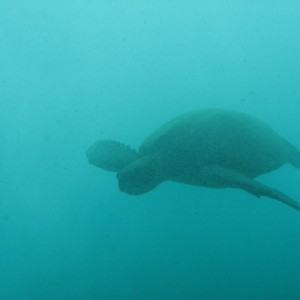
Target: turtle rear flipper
pixel 220 177
pixel 111 155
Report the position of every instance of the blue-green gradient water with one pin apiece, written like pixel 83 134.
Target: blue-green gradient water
pixel 72 72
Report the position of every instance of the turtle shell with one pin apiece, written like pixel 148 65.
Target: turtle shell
pixel 217 137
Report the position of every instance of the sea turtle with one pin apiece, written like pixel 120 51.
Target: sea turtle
pixel 213 147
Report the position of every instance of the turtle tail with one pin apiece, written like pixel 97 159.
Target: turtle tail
pixel 111 155
pixel 295 157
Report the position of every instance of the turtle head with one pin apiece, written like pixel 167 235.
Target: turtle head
pixel 111 155
pixel 141 176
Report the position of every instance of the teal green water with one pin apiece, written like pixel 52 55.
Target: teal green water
pixel 75 71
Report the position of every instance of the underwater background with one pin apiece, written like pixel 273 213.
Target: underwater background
pixel 72 72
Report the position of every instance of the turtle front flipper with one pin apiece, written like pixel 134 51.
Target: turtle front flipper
pixel 220 177
pixel 111 155
pixel 142 175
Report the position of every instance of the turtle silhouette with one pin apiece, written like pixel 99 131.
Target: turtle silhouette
pixel 213 148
